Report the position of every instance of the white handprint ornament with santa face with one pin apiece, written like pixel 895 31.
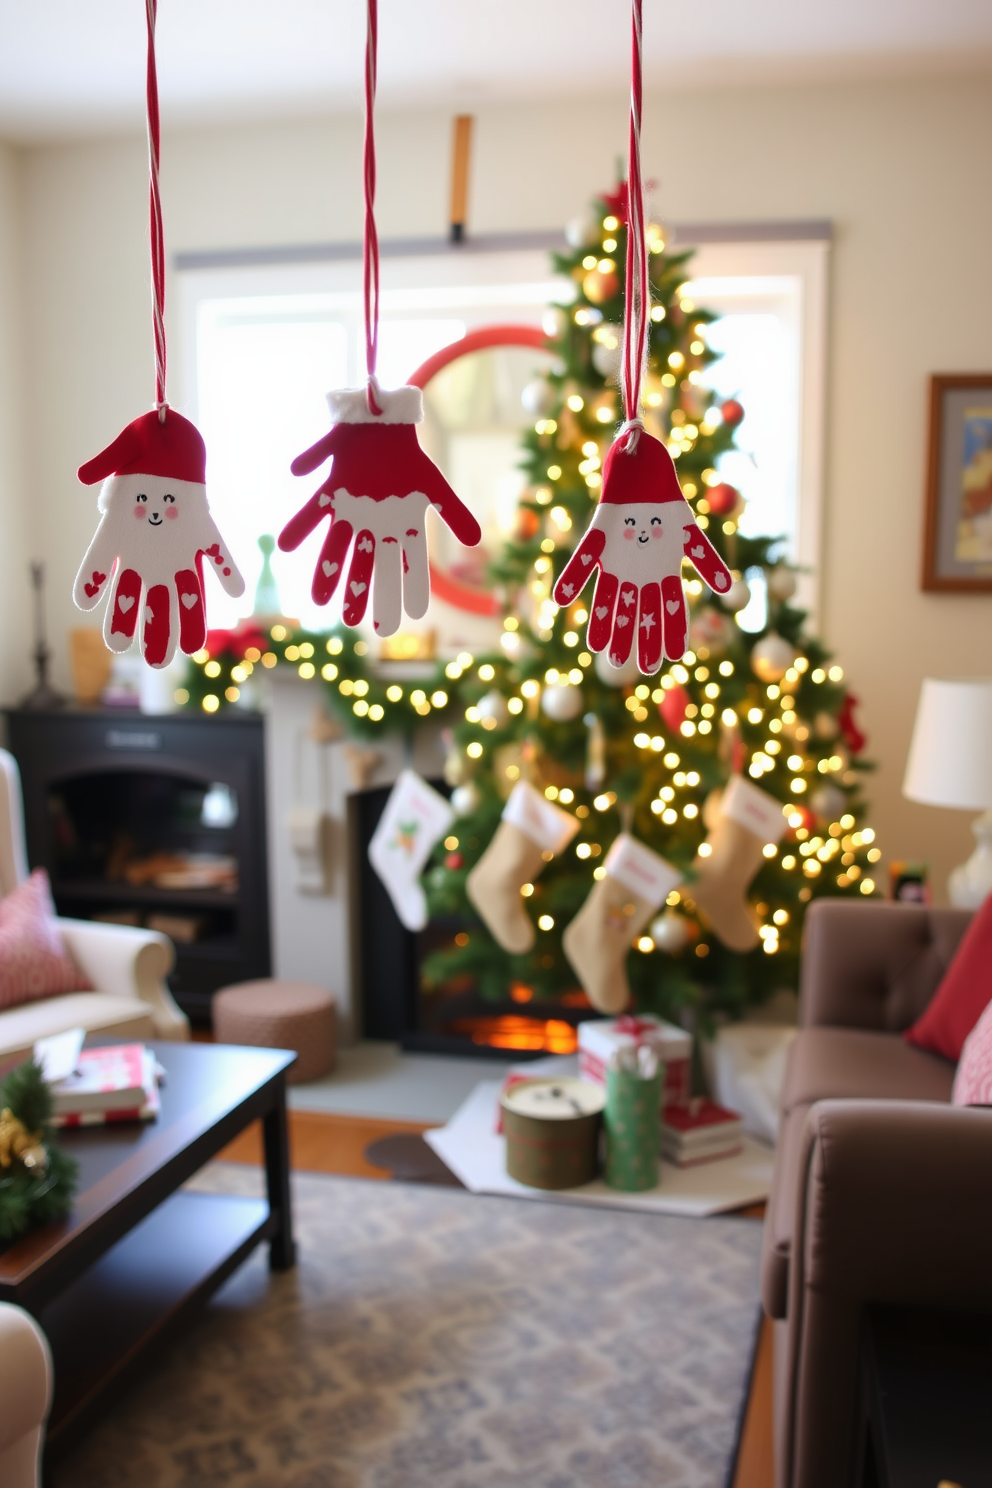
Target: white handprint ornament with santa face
pixel 642 529
pixel 155 533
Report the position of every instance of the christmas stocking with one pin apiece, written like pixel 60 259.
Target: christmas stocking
pixel 155 531
pixel 378 491
pixel 414 818
pixel 748 819
pixel 530 829
pixel 636 882
pixel 642 529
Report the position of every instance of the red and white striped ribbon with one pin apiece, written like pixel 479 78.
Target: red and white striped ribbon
pixel 638 290
pixel 156 233
pixel 370 245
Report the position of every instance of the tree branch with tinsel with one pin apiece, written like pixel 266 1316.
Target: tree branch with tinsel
pixel 37 1177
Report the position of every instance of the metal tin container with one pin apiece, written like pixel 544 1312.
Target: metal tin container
pixel 552 1131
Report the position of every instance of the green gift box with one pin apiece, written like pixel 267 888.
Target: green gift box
pixel 633 1129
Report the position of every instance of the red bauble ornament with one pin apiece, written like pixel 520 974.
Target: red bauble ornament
pixel 808 819
pixel 852 735
pixel 599 287
pixel 527 524
pixel 672 707
pixel 722 499
pixel 453 860
pixel 732 412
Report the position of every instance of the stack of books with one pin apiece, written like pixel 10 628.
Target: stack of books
pixel 700 1132
pixel 116 1083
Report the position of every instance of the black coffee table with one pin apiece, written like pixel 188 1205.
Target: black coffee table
pixel 136 1257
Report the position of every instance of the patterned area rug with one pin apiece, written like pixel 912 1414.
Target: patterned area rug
pixel 431 1338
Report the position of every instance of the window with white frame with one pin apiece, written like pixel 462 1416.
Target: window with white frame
pixel 264 344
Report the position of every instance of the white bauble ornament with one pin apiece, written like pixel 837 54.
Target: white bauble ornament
pixel 455 766
pixel 583 231
pixel 781 583
pixel 538 398
pixel 829 802
pixel 493 705
pixel 562 702
pixel 670 932
pixel 710 629
pixel 465 799
pixel 617 676
pixel 606 360
pixel 737 597
pixel 772 657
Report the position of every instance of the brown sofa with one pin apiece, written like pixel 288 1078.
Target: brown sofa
pixel 881 1190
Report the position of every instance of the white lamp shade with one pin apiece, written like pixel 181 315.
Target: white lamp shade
pixel 950 757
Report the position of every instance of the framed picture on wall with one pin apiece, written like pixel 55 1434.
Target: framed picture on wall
pixel 957 545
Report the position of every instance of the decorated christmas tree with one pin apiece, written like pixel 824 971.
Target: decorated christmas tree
pixel 649 756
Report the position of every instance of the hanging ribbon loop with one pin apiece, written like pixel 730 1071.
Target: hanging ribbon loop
pixel 370 244
pixel 638 289
pixel 156 232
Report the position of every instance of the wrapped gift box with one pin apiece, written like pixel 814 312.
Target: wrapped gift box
pixel 673 1046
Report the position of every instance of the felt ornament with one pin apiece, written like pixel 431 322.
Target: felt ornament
pixel 530 832
pixel 643 526
pixel 636 881
pixel 381 482
pixel 155 527
pixel 746 820
pixel 641 530
pixel 155 532
pixel 414 818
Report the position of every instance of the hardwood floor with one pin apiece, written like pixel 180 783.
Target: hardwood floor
pixel 321 1143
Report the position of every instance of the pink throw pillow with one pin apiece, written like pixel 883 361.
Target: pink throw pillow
pixel 963 995
pixel 33 961
pixel 973 1081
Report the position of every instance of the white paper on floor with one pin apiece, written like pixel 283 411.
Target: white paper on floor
pixel 476 1153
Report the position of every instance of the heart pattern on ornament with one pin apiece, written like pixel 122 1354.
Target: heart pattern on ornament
pixel 323 499
pixel 330 569
pixel 622 620
pixel 189 600
pixel 697 552
pixel 586 558
pixel 720 581
pixel 124 602
pixel 93 588
pixel 601 612
pixel 673 606
pixel 356 589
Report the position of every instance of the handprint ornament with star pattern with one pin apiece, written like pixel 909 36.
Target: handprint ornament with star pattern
pixel 155 533
pixel 642 529
pixel 377 492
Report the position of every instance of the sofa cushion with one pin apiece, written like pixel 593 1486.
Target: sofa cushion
pixel 841 1063
pixel 964 993
pixel 973 1081
pixel 33 961
pixel 96 1012
pixel 780 1214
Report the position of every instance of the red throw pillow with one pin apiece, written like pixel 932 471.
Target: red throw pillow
pixel 33 961
pixel 963 995
pixel 973 1081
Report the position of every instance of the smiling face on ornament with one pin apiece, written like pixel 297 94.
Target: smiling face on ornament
pixel 154 515
pixel 644 539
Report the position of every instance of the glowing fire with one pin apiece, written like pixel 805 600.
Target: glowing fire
pixel 549 1035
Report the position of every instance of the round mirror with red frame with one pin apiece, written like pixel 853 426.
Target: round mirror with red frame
pixel 474 418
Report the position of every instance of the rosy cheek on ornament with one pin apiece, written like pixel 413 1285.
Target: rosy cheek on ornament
pixel 629 534
pixel 657 532
pixel 172 513
pixel 140 511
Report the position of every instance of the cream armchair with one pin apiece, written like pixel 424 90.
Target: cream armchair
pixel 127 967
pixel 26 1393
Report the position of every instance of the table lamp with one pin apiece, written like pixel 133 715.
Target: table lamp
pixel 950 764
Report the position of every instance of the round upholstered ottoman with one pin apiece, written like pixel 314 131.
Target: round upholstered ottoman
pixel 276 1014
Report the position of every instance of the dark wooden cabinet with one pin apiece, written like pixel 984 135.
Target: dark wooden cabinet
pixel 137 818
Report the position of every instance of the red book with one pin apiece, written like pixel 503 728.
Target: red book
pixel 702 1131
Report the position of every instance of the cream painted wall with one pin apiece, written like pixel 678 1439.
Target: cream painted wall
pixel 898 167
pixel 14 587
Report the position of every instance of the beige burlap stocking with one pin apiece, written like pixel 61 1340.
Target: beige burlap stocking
pixel 729 859
pixel 635 883
pixel 530 832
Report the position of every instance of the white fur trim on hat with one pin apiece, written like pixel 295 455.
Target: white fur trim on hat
pixel 403 405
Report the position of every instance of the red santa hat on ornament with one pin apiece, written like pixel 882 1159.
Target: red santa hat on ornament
pixel 644 474
pixel 170 447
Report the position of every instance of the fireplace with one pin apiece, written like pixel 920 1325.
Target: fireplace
pixel 454 1019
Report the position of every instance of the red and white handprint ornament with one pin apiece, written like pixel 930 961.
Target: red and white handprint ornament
pixel 155 533
pixel 642 529
pixel 378 491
